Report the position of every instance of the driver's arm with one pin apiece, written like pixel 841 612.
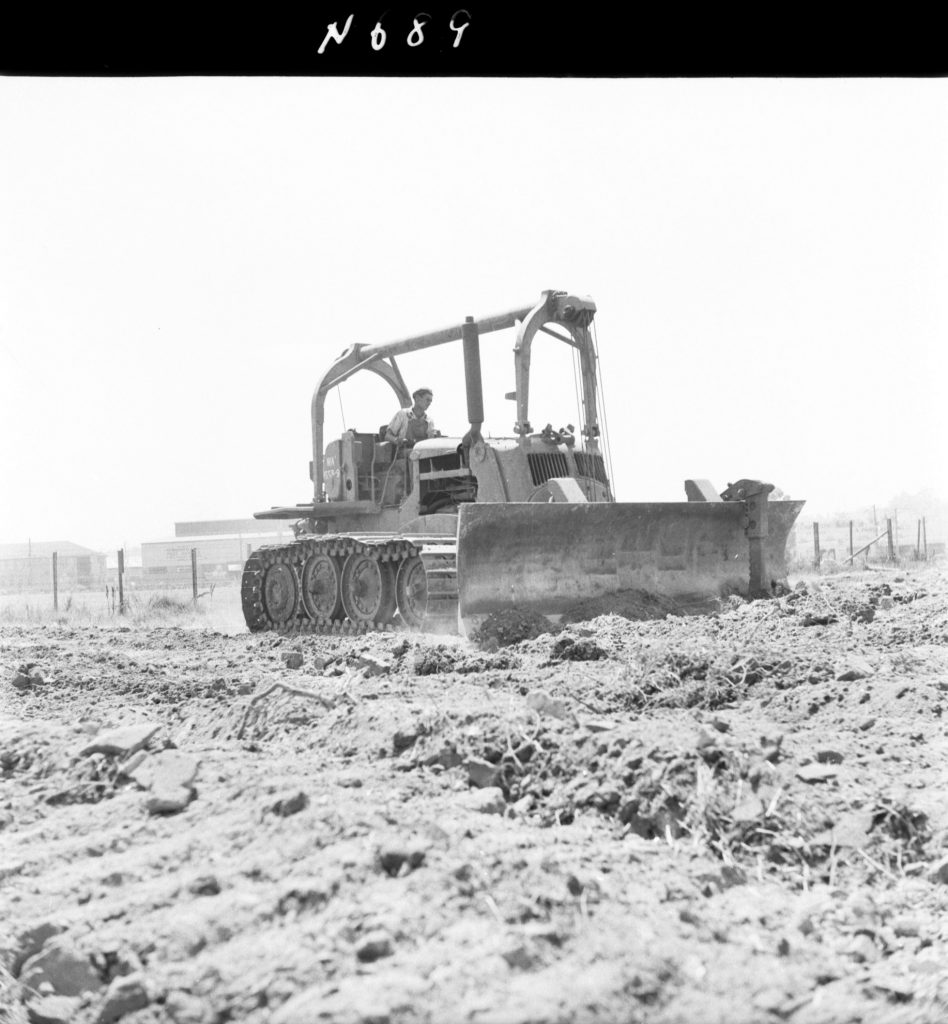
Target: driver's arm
pixel 395 427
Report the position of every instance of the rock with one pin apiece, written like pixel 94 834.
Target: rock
pixel 288 805
pixel 52 1009
pixel 169 775
pixel 373 665
pixel 544 704
pixel 905 925
pixel 21 681
pixel 817 772
pixel 404 739
pixel 292 659
pixel 31 940
pixel 123 996
pixel 854 667
pixel 122 741
pixel 519 957
pixel 829 757
pixel 183 1008
pixel 393 858
pixel 485 801
pixel 170 800
pixel 866 725
pixel 205 885
pixel 166 770
pixel 36 677
pixel 373 946
pixel 481 773
pixel 885 603
pixel 67 971
pixel 939 872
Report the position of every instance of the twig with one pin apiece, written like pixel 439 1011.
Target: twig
pixel 876 865
pixel 819 593
pixel 295 691
pixel 492 906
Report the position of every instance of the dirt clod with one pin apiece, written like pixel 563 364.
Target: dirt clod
pixel 291 804
pixel 568 648
pixel 511 627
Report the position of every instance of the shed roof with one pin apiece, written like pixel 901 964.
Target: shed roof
pixel 44 549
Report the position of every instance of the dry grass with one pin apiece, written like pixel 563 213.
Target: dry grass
pixel 217 609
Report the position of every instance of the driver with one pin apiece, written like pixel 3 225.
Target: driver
pixel 414 424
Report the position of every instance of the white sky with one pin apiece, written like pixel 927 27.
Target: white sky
pixel 181 259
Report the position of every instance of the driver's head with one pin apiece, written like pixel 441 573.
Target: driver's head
pixel 422 397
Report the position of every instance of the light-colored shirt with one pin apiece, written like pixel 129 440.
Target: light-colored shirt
pixel 401 419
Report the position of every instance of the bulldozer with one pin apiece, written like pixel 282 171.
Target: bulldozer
pixel 441 533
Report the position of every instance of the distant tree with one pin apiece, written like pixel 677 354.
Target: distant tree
pixel 925 501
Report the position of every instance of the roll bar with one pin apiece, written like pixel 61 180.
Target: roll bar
pixel 572 313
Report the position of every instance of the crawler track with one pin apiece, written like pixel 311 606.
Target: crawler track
pixel 350 584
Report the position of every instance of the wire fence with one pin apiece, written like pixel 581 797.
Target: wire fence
pixel 848 546
pixel 57 575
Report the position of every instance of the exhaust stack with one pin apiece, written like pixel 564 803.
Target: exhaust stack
pixel 472 379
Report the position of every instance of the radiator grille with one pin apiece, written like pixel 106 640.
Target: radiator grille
pixel 439 462
pixel 545 465
pixel 591 465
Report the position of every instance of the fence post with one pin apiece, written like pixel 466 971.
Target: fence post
pixel 918 542
pixel 816 545
pixel 925 537
pixel 194 573
pixel 121 573
pixel 850 542
pixel 888 531
pixel 55 581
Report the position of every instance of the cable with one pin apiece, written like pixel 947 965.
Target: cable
pixel 341 411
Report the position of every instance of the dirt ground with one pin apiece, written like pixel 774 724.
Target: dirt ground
pixel 740 817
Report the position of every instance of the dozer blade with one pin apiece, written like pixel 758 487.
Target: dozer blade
pixel 571 562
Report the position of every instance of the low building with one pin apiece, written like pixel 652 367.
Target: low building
pixel 219 557
pixel 30 566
